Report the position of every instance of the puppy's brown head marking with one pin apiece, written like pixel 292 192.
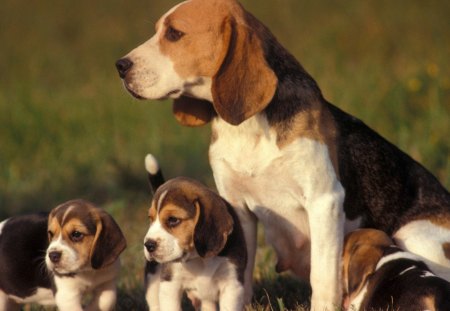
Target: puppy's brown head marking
pixel 193 216
pixel 363 249
pixel 84 236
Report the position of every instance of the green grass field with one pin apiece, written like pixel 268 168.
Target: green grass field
pixel 68 128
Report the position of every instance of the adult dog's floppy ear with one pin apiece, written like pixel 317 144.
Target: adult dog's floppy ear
pixel 109 240
pixel 190 111
pixel 214 225
pixel 244 84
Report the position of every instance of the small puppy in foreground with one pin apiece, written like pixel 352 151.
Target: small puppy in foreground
pixel 56 258
pixel 195 244
pixel 380 276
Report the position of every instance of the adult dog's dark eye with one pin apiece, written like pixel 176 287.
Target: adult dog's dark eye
pixel 76 236
pixel 173 221
pixel 173 35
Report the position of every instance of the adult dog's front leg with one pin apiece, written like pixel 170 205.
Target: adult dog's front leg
pixel 326 218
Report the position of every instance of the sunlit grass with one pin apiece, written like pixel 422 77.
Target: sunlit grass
pixel 68 129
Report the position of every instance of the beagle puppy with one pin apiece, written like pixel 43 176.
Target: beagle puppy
pixel 280 151
pixel 194 244
pixel 54 259
pixel 380 276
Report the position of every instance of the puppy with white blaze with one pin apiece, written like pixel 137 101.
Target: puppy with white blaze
pixel 195 244
pixel 281 153
pixel 57 258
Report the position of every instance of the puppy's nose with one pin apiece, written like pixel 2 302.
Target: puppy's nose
pixel 123 65
pixel 55 257
pixel 150 245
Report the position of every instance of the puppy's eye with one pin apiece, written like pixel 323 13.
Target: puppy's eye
pixel 50 234
pixel 173 221
pixel 76 236
pixel 172 34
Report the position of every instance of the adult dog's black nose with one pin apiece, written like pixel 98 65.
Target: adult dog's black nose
pixel 55 257
pixel 150 245
pixel 123 65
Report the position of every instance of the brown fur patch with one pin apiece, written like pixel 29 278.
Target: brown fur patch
pixel 198 52
pixel 362 250
pixel 219 43
pixel 82 247
pixel 315 123
pixel 102 240
pixel 185 230
pixel 446 248
pixel 441 220
pixel 429 303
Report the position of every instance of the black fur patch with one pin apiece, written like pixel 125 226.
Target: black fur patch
pixel 23 245
pixel 383 185
pixel 393 288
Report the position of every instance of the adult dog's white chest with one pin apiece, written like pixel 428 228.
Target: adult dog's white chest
pixel 277 184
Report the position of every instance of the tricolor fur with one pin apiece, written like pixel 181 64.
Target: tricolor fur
pixel 194 244
pixel 55 259
pixel 380 276
pixel 279 151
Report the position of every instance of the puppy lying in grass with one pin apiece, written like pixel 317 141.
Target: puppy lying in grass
pixel 194 244
pixel 56 258
pixel 380 276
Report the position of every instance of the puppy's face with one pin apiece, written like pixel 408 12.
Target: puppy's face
pixel 187 219
pixel 76 231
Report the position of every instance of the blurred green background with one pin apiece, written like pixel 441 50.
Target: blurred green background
pixel 69 129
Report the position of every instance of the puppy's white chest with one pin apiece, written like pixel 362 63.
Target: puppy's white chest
pixel 205 277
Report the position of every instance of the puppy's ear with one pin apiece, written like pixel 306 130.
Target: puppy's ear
pixel 244 84
pixel 192 112
pixel 362 263
pixel 109 241
pixel 214 225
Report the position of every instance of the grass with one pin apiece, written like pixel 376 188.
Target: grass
pixel 70 130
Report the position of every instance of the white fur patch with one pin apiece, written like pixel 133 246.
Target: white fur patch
pixel 160 201
pixel 69 262
pixel 356 302
pixel 2 224
pixel 290 190
pixel 407 269
pixel 424 238
pixel 209 280
pixel 167 248
pixel 151 164
pixel 395 256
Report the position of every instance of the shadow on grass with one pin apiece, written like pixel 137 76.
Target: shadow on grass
pixel 282 292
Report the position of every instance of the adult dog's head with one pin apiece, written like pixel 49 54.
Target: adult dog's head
pixel 187 220
pixel 208 56
pixel 82 237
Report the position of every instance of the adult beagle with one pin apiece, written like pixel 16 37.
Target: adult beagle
pixel 279 151
pixel 195 244
pixel 56 258
pixel 380 276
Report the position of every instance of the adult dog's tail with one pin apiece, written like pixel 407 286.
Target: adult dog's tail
pixel 155 176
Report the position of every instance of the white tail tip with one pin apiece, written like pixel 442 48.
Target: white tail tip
pixel 151 165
